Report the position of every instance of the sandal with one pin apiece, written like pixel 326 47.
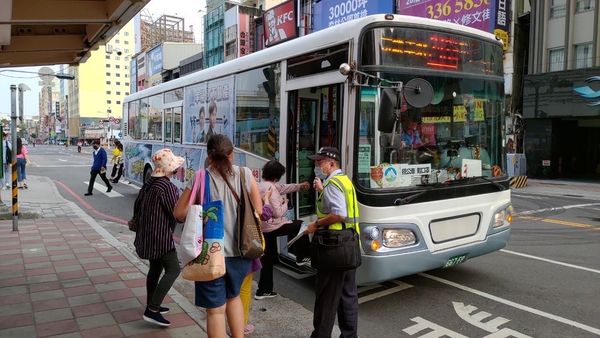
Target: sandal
pixel 248 329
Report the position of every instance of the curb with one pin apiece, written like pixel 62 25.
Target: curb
pixel 518 181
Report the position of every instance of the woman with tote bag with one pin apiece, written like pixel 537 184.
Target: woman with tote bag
pixel 221 297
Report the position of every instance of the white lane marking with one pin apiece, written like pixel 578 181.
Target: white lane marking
pixel 401 286
pixel 468 314
pixel 551 261
pixel 60 165
pixel 529 212
pixel 103 188
pixel 530 197
pixel 60 159
pixel 515 305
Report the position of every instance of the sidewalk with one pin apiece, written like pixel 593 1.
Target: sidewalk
pixel 63 274
pixel 570 188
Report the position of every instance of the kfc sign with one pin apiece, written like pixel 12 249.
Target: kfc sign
pixel 280 23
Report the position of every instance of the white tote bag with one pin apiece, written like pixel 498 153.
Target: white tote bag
pixel 190 243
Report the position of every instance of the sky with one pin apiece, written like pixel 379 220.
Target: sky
pixel 191 10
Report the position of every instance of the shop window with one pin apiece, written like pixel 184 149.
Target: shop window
pixel 584 5
pixel 556 59
pixel 583 56
pixel 558 8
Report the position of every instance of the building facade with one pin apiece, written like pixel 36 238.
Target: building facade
pixel 561 90
pixel 100 86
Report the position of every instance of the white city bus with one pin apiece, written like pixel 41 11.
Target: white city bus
pixel 417 116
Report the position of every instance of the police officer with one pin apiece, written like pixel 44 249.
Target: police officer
pixel 335 291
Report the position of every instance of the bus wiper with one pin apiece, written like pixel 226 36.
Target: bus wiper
pixel 496 184
pixel 410 198
pixel 471 178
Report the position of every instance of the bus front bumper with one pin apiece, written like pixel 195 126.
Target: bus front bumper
pixel 375 269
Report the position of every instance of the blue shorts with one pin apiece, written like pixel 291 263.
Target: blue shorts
pixel 215 293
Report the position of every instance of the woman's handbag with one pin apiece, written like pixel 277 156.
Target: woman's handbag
pixel 335 249
pixel 251 241
pixel 210 262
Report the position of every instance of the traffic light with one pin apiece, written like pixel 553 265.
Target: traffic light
pixel 269 85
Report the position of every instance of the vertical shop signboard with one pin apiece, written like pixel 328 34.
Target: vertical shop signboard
pixel 244 34
pixel 328 13
pixel 492 16
pixel 280 23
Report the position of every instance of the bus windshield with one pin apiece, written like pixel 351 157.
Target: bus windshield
pixel 457 135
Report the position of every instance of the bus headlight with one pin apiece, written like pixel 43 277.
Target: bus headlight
pixel 503 215
pixel 395 238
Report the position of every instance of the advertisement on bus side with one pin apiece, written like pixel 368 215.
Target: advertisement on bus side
pixel 209 108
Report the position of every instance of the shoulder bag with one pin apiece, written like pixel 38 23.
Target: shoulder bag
pixel 251 242
pixel 210 263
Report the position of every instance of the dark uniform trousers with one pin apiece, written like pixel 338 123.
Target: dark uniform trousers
pixel 335 293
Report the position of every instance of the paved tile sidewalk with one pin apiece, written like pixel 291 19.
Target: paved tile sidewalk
pixel 60 277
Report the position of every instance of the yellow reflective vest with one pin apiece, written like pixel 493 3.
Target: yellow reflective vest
pixel 343 183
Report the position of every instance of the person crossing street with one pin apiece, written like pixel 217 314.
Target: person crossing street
pixel 98 168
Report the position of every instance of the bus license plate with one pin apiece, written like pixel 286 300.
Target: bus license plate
pixel 455 261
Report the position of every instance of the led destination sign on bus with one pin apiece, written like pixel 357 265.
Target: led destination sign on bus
pixel 407 47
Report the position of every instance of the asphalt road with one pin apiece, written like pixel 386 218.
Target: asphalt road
pixel 545 283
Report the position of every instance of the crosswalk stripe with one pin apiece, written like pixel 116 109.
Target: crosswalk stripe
pixel 113 193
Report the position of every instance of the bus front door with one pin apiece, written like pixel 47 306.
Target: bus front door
pixel 314 116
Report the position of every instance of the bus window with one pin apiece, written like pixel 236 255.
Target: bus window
pixel 142 121
pixel 155 118
pixel 133 113
pixel 314 119
pixel 177 124
pixel 168 125
pixel 257 111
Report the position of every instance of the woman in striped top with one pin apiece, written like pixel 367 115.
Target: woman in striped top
pixel 153 210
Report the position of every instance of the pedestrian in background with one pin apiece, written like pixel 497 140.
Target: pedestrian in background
pixel 221 297
pixel 7 161
pixel 22 160
pixel 117 161
pixel 278 225
pixel 335 290
pixel 98 168
pixel 153 212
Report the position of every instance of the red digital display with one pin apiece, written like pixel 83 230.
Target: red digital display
pixel 437 52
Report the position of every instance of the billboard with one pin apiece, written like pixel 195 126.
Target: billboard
pixel 492 16
pixel 328 13
pixel 280 23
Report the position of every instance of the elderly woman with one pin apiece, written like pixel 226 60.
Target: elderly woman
pixel 153 211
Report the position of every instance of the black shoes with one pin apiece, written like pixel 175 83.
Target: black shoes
pixel 263 295
pixel 155 318
pixel 164 310
pixel 88 194
pixel 109 189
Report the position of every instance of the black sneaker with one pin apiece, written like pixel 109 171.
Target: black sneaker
pixel 109 189
pixel 263 295
pixel 155 317
pixel 88 194
pixel 164 310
